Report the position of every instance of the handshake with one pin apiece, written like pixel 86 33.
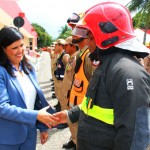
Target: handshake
pixel 51 119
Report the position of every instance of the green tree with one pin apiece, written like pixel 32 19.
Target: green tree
pixel 143 16
pixel 65 31
pixel 44 39
pixel 139 21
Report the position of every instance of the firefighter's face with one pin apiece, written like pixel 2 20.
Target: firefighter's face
pixel 91 42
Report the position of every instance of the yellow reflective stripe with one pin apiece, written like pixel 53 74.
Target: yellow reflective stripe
pixel 104 114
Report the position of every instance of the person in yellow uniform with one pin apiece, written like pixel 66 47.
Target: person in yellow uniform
pixel 84 69
pixel 71 21
pixel 83 73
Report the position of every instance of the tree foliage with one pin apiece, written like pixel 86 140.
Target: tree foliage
pixel 65 31
pixel 139 21
pixel 44 39
pixel 142 19
pixel 142 7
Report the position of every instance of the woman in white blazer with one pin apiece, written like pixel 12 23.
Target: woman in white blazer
pixel 21 99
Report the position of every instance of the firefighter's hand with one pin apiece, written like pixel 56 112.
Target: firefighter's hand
pixel 62 115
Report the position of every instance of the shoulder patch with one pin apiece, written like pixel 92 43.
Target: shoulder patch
pixel 129 83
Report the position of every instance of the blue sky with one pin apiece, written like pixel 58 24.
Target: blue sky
pixel 53 14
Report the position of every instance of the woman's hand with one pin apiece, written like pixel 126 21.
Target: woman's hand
pixel 43 137
pixel 47 118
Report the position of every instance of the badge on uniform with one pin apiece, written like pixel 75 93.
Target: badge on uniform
pixel 95 63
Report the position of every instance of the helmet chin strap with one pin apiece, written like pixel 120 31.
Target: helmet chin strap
pixel 100 52
pixel 75 41
pixel 94 55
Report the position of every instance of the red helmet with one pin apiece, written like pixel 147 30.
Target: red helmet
pixel 109 22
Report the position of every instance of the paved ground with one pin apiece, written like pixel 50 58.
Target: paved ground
pixel 57 137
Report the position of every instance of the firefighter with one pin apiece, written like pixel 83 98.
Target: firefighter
pixel 69 75
pixel 60 68
pixel 59 72
pixel 85 66
pixel 115 110
pixel 83 73
pixel 72 50
pixel 54 57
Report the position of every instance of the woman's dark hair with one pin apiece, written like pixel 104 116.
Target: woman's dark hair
pixel 9 35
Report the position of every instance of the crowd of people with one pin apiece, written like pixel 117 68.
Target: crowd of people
pixel 101 78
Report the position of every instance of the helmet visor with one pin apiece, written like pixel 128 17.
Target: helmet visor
pixel 80 32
